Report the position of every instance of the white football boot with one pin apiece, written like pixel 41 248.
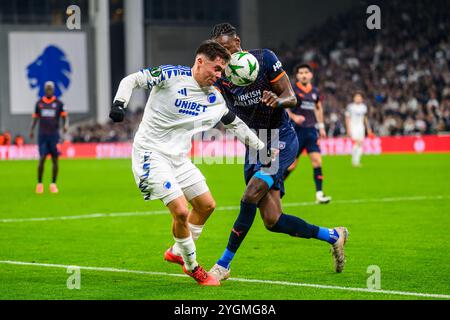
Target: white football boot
pixel 219 272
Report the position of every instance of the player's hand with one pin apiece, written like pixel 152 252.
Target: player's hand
pixel 274 153
pixel 322 133
pixel 298 119
pixel 31 134
pixel 270 99
pixel 117 112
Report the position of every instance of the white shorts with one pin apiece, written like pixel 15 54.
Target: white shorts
pixel 159 176
pixel 357 133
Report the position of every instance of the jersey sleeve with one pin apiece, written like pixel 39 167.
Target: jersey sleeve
pixel 273 66
pixel 145 78
pixel 153 77
pixel 36 113
pixel 348 111
pixel 62 110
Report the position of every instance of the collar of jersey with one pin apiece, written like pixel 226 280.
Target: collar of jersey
pixel 48 100
pixel 306 89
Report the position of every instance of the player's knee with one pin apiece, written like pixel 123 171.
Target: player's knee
pixel 316 163
pixel 250 197
pixel 181 215
pixel 270 222
pixel 208 207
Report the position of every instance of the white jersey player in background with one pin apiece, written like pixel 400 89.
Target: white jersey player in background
pixel 182 103
pixel 356 122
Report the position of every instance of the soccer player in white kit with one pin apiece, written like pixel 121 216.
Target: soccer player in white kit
pixel 356 122
pixel 182 102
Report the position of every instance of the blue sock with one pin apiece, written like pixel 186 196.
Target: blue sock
pixel 295 227
pixel 241 226
pixel 318 178
pixel 226 258
pixel 328 235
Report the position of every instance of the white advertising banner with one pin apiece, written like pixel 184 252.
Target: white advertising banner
pixel 37 57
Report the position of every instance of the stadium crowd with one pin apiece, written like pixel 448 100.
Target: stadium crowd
pixel 403 69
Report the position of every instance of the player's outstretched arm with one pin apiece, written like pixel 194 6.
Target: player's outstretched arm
pixel 241 131
pixel 123 95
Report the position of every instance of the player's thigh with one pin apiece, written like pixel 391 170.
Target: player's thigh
pixel 270 208
pixel 154 176
pixel 357 134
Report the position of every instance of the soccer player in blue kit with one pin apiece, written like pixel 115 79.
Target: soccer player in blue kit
pixel 48 111
pixel 307 115
pixel 261 105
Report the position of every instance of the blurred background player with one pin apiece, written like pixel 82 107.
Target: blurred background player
pixel 261 105
pixel 356 121
pixel 183 103
pixel 307 117
pixel 48 112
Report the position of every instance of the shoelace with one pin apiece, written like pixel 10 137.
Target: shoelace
pixel 200 273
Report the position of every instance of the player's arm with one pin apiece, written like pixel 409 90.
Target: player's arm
pixel 145 78
pixel 241 130
pixel 347 122
pixel 366 123
pixel 65 119
pixel 297 118
pixel 34 121
pixel 282 95
pixel 319 116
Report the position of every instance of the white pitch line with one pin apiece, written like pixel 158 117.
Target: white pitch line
pixel 272 282
pixel 224 208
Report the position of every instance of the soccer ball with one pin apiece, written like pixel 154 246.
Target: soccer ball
pixel 242 69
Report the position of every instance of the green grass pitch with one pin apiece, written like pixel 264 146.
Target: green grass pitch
pixel 396 207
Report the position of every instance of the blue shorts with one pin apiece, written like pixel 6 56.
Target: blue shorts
pixel 307 139
pixel 47 145
pixel 274 172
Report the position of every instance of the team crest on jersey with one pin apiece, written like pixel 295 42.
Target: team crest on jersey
pixel 167 185
pixel 212 98
pixel 314 96
pixel 281 145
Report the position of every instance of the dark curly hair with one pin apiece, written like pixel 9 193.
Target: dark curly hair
pixel 223 29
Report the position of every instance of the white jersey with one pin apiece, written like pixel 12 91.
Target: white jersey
pixel 356 112
pixel 176 110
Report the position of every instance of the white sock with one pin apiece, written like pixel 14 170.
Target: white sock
pixel 187 249
pixel 354 154
pixel 359 154
pixel 196 230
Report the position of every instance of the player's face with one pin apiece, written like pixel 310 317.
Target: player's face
pixel 304 75
pixel 231 43
pixel 210 70
pixel 49 91
pixel 358 98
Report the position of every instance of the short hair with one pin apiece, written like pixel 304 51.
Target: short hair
pixel 302 66
pixel 223 29
pixel 212 49
pixel 49 84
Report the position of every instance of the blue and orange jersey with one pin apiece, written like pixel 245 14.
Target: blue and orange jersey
pixel 49 111
pixel 307 98
pixel 246 103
